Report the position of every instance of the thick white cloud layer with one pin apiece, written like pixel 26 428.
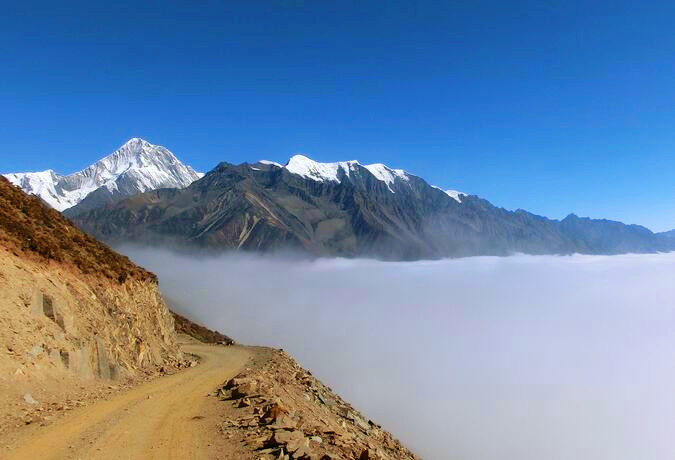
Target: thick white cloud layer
pixel 480 358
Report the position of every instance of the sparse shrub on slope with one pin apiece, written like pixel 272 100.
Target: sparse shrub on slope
pixel 31 226
pixel 199 332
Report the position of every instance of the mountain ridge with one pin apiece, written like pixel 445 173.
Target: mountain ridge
pixel 343 209
pixel 137 166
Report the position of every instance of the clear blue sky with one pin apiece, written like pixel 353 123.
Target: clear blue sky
pixel 554 107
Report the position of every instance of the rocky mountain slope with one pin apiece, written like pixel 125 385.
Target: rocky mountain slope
pixel 198 331
pixel 135 167
pixel 668 234
pixel 347 209
pixel 72 311
pixel 278 410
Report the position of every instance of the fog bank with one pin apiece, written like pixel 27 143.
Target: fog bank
pixel 479 358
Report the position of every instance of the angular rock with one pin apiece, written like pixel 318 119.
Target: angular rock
pixel 275 410
pixel 283 436
pixel 304 451
pixel 236 381
pixel 244 389
pixel 284 422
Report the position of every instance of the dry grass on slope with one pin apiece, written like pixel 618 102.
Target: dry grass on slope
pixel 33 227
pixel 199 332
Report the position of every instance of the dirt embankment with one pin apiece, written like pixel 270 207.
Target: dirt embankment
pixel 171 417
pixel 62 331
pixel 75 317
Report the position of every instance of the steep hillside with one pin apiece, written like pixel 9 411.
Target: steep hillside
pixel 609 237
pixel 199 332
pixel 346 209
pixel 72 311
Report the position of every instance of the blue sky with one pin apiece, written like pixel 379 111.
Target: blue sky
pixel 554 107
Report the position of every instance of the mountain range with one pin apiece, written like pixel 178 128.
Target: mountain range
pixel 325 209
pixel 136 167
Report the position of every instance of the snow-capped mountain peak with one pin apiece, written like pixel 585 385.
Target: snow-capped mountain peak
pixel 306 167
pixel 454 194
pixel 136 167
pixel 330 172
pixel 271 163
pixel 386 174
pixel 153 166
pixel 41 183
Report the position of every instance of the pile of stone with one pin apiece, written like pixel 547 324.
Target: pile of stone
pixel 282 412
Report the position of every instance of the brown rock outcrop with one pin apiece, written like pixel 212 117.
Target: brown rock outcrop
pixel 289 414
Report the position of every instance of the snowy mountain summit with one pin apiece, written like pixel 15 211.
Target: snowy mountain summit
pixel 137 166
pixel 334 172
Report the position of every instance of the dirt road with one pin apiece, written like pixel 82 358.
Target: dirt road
pixel 168 418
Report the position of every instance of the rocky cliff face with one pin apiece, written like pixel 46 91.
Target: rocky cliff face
pixel 57 320
pixel 71 309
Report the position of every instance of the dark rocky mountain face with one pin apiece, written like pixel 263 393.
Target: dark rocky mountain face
pixel 263 207
pixel 600 236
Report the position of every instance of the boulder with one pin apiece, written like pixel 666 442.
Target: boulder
pixel 282 437
pixel 245 389
pixel 284 422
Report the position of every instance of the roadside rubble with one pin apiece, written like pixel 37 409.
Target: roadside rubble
pixel 42 411
pixel 280 411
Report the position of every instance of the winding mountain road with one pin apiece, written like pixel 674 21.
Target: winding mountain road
pixel 168 418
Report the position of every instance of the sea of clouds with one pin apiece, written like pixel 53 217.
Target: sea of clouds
pixel 479 358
